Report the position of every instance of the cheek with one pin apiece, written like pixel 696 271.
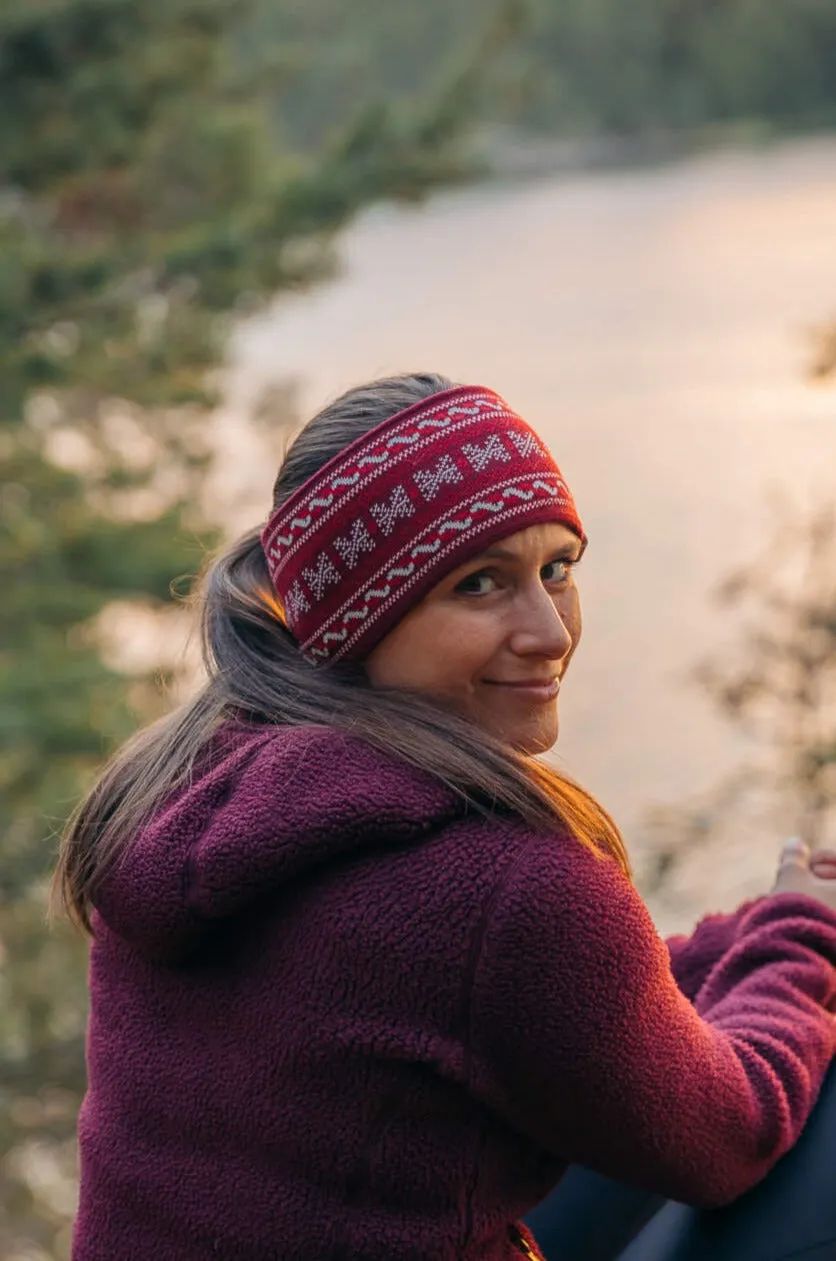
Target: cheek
pixel 434 650
pixel 455 652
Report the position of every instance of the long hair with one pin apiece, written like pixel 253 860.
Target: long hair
pixel 254 669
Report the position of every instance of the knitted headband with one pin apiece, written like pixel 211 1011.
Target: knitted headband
pixel 363 540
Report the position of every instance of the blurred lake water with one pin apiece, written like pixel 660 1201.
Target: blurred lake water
pixel 652 325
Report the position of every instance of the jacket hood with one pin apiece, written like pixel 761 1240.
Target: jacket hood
pixel 267 805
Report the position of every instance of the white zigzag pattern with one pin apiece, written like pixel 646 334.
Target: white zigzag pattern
pixel 466 411
pixel 428 549
pixel 485 407
pixel 372 459
pixel 286 539
pixel 458 525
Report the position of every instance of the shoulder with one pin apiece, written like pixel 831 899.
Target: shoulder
pixel 319 768
pixel 320 781
pixel 553 869
pixel 563 909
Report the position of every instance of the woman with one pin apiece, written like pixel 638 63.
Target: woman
pixel 366 976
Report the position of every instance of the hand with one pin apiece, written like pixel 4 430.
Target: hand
pixel 800 871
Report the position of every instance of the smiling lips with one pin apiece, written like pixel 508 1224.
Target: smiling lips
pixel 538 691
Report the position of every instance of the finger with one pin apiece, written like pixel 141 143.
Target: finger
pixel 795 853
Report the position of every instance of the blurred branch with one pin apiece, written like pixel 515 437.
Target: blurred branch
pixel 672 833
pixel 781 683
pixel 823 360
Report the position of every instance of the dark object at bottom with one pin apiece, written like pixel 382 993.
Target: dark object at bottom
pixel 589 1218
pixel 790 1215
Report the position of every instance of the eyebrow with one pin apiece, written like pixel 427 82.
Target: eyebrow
pixel 503 553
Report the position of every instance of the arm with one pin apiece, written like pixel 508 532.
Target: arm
pixel 692 958
pixel 582 1040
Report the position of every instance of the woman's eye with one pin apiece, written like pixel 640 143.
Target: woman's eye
pixel 557 571
pixel 477 584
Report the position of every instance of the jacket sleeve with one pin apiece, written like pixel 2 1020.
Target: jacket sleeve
pixel 581 1039
pixel 692 957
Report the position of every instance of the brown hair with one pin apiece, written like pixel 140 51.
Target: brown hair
pixel 255 670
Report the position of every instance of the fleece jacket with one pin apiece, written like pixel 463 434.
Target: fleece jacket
pixel 337 1013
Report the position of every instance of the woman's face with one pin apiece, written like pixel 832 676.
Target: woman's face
pixel 494 638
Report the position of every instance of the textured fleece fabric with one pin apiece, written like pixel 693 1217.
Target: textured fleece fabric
pixel 336 1015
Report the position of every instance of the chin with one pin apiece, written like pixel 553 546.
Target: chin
pixel 530 743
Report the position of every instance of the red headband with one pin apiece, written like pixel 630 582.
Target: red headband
pixel 365 538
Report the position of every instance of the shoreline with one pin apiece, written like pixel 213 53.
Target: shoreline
pixel 505 155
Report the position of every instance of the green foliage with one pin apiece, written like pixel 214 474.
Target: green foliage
pixel 781 684
pixel 581 67
pixel 670 64
pixel 777 684
pixel 147 199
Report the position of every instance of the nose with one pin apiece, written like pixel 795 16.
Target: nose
pixel 539 629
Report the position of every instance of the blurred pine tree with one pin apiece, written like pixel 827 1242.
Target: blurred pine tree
pixel 146 200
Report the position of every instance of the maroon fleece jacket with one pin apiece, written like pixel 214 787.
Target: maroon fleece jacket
pixel 335 1014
